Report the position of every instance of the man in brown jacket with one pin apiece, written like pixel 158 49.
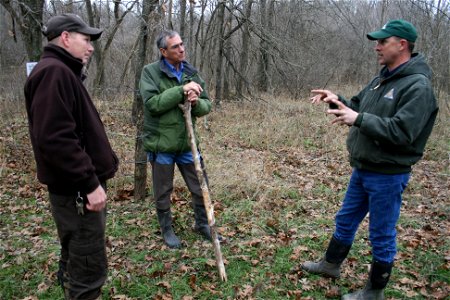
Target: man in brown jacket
pixel 73 155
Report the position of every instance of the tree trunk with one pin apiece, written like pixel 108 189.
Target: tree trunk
pixel 243 64
pixel 191 27
pixel 98 53
pixel 263 49
pixel 205 50
pixel 269 50
pixel 227 53
pixel 140 158
pixel 169 15
pixel 182 18
pixel 199 33
pixel 219 59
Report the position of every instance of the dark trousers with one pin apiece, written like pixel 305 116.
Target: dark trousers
pixel 83 251
pixel 162 175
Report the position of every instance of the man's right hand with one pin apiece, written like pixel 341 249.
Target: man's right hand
pixel 323 95
pixel 192 87
pixel 96 199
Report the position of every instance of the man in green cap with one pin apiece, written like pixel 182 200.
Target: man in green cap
pixel 390 121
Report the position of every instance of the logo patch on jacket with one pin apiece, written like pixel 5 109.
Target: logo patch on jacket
pixel 390 94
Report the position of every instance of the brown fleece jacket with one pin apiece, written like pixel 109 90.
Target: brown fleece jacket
pixel 69 141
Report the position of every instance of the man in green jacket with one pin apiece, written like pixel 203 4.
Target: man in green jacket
pixel 390 121
pixel 164 85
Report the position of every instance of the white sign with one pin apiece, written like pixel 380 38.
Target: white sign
pixel 30 66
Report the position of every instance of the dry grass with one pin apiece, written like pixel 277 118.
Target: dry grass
pixel 278 170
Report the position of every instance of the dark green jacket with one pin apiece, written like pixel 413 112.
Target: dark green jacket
pixel 164 127
pixel 396 116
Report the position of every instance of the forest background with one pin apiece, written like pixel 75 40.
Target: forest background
pixel 278 170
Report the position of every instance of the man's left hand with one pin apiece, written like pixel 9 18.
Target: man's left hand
pixel 192 97
pixel 344 115
pixel 96 199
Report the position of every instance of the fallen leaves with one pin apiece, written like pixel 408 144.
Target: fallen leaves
pixel 275 204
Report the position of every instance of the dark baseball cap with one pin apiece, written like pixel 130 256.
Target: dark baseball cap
pixel 71 23
pixel 399 28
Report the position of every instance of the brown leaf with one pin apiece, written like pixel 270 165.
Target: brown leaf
pixel 124 195
pixel 246 292
pixel 42 287
pixel 333 291
pixel 164 284
pixel 120 297
pixel 167 266
pixel 211 263
pixel 440 295
pixel 192 281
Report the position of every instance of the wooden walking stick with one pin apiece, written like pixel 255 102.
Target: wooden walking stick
pixel 186 108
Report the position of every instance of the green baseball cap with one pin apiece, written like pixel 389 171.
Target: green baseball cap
pixel 400 28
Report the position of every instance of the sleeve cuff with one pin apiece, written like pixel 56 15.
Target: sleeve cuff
pixel 182 93
pixel 359 120
pixel 91 185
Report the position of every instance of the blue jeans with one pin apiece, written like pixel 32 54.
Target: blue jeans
pixel 171 158
pixel 380 195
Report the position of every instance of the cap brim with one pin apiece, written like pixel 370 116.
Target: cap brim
pixel 378 35
pixel 94 33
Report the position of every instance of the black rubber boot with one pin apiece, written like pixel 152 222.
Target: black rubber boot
pixel 374 289
pixel 201 222
pixel 330 265
pixel 165 222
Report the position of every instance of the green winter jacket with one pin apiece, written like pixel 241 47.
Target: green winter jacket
pixel 396 116
pixel 164 125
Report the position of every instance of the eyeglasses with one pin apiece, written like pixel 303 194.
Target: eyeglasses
pixel 173 47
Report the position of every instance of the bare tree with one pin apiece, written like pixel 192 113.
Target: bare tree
pixel 227 53
pixel 294 45
pixel 27 14
pixel 243 63
pixel 100 53
pixel 433 18
pixel 263 65
pixel 182 18
pixel 140 167
pixel 198 33
pixel 191 26
pixel 219 58
pixel 167 10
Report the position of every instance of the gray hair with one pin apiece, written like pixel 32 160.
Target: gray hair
pixel 161 41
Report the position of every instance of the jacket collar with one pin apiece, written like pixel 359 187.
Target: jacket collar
pixel 416 65
pixel 75 64
pixel 189 70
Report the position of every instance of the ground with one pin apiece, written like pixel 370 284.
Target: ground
pixel 278 171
